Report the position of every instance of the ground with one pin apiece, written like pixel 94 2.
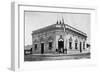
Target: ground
pixel 33 57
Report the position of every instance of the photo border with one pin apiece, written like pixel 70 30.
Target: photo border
pixel 17 62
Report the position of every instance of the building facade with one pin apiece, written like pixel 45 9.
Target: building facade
pixel 59 38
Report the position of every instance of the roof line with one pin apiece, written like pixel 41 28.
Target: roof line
pixel 76 29
pixel 43 27
pixel 56 24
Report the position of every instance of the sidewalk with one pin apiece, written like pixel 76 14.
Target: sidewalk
pixel 56 55
pixel 39 57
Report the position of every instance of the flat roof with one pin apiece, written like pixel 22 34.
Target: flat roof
pixel 56 26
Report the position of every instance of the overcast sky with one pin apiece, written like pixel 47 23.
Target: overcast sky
pixel 36 20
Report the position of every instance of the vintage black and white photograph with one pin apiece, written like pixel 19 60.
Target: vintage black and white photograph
pixel 56 36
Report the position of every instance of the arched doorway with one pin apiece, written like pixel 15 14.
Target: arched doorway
pixel 61 45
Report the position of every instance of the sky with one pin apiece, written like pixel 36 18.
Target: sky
pixel 36 20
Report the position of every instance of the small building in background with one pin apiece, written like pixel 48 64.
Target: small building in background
pixel 28 49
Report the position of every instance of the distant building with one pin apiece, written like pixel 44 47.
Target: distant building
pixel 28 49
pixel 59 38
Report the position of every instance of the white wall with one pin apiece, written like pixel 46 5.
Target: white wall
pixel 5 38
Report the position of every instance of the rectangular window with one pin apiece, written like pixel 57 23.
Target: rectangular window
pixel 35 46
pixel 50 45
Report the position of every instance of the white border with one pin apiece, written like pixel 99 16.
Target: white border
pixel 18 52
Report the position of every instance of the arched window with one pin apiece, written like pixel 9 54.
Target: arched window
pixel 84 45
pixel 50 42
pixel 80 46
pixel 70 43
pixel 50 45
pixel 76 42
